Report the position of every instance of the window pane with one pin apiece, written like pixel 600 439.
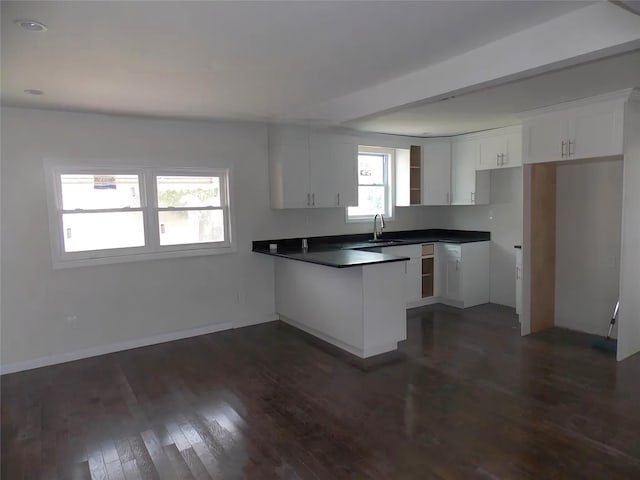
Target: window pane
pixel 90 192
pixel 370 169
pixel 370 201
pixel 100 231
pixel 181 191
pixel 191 226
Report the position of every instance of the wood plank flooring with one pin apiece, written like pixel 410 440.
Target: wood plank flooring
pixel 473 400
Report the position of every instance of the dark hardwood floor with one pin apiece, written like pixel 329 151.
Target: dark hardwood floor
pixel 472 400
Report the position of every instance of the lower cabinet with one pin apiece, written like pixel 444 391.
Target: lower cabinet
pixel 413 277
pixel 462 273
pixel 450 273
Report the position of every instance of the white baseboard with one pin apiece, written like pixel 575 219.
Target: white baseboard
pixel 424 301
pixel 255 321
pixel 358 352
pixel 126 345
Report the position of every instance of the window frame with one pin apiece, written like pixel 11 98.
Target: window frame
pixel 152 250
pixel 224 206
pixel 388 182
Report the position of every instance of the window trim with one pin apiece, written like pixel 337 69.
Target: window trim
pixel 152 250
pixel 224 193
pixel 389 182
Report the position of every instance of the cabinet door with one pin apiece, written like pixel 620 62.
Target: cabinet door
pixel 464 156
pixel 440 270
pixel 453 278
pixel 596 130
pixel 413 281
pixel 332 171
pixel 491 150
pixel 513 153
pixel 289 166
pixel 436 173
pixel 543 137
pixel 413 278
pixel 345 161
pixel 321 174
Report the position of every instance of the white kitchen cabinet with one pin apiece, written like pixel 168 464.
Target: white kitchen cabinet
pixel 596 130
pixel 518 280
pixel 453 273
pixel 579 131
pixel 436 172
pixel 332 170
pixel 468 186
pixel 289 167
pixel 413 276
pixel 500 148
pixel 310 169
pixel 465 268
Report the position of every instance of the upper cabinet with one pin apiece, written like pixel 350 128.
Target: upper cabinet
pixel 468 186
pixel 578 131
pixel 436 172
pixel 289 167
pixel 332 170
pixel 500 148
pixel 310 169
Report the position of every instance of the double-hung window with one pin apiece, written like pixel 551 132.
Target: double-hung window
pixel 112 215
pixel 374 184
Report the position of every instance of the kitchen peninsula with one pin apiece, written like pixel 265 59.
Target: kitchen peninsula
pixel 345 290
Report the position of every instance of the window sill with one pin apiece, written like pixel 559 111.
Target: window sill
pixel 140 257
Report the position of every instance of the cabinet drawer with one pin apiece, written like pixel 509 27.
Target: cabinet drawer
pixel 427 249
pixel 411 251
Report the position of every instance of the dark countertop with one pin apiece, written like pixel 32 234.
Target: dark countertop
pixel 340 251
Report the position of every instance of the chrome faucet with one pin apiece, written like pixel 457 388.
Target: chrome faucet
pixel 377 233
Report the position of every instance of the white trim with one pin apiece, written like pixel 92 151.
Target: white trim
pixel 121 346
pixel 388 184
pixel 87 262
pixel 621 95
pixel 358 352
pixel 425 301
pixel 152 250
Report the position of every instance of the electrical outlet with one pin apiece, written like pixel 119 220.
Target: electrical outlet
pixel 72 321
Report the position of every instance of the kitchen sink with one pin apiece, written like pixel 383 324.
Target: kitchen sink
pixel 382 240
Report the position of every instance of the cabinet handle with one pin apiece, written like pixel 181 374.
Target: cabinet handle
pixel 517 273
pixel 457 265
pixel 308 199
pixel 313 199
pixel 448 202
pixel 571 151
pixel 502 162
pixel 473 197
pixel 562 154
pixel 497 159
pixel 338 199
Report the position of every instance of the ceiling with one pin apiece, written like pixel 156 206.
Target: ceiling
pixel 497 106
pixel 254 60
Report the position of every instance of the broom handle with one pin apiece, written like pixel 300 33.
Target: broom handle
pixel 613 319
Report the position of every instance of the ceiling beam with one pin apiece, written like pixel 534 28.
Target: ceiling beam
pixel 593 32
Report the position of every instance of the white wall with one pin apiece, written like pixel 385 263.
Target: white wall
pixel 125 302
pixel 503 218
pixel 629 319
pixel 588 221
